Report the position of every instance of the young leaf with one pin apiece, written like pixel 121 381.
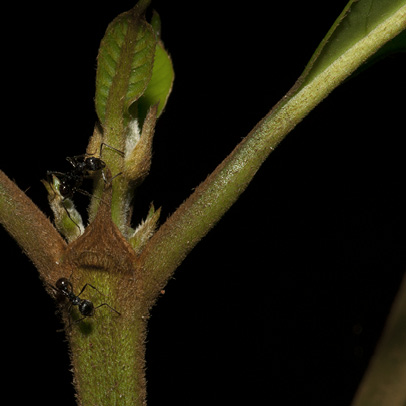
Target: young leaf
pixel 160 85
pixel 67 219
pixel 125 62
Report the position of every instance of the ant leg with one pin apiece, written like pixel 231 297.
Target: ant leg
pixel 111 180
pixel 84 287
pixel 104 176
pixel 100 154
pixel 71 219
pixel 97 290
pixel 90 195
pixel 84 192
pixel 56 173
pixel 88 284
pixel 102 144
pixel 109 146
pixel 69 326
pixel 111 308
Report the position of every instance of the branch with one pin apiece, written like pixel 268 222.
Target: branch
pixel 201 211
pixel 29 227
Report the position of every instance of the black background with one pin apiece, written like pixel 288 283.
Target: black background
pixel 283 302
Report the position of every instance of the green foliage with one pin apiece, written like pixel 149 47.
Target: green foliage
pixel 132 62
pixel 357 20
pixel 134 76
pixel 160 84
pixel 124 68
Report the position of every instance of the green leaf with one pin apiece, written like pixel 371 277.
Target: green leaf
pixel 67 219
pixel 156 24
pixel 125 62
pixel 160 85
pixel 358 19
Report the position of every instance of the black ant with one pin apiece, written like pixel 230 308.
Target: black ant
pixel 70 182
pixel 83 167
pixel 86 307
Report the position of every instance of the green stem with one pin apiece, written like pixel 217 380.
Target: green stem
pixel 107 347
pixel 108 350
pixel 127 36
pixel 30 228
pixel 201 211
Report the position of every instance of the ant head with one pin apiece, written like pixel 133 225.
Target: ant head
pixel 64 285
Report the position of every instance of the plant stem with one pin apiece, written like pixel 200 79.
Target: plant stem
pixel 201 211
pixel 30 227
pixel 108 352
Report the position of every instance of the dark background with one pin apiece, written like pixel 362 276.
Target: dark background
pixel 283 302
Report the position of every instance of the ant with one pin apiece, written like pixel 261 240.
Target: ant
pixel 83 167
pixel 70 182
pixel 86 307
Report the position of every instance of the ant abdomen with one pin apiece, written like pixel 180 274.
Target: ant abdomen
pixel 86 308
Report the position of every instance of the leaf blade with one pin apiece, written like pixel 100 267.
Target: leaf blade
pixel 124 65
pixel 356 21
pixel 160 85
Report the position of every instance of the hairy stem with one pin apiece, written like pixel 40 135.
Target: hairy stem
pixel 29 227
pixel 201 211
